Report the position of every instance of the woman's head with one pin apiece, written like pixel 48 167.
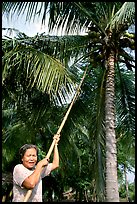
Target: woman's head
pixel 28 155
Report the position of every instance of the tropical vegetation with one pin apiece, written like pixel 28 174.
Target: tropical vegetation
pixel 39 77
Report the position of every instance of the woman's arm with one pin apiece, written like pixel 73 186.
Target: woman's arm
pixel 55 163
pixel 31 181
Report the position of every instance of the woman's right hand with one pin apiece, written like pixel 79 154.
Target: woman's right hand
pixel 43 162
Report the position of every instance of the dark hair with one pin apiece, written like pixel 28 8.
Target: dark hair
pixel 25 147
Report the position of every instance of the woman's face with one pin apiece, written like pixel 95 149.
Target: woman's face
pixel 30 158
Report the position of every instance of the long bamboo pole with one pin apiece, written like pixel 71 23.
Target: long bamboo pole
pixel 28 194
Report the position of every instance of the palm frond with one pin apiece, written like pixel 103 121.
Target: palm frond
pixel 98 134
pixel 32 10
pixel 125 102
pixel 125 16
pixel 63 48
pixel 47 73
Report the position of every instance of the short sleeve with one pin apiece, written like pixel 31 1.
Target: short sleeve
pixel 46 171
pixel 20 173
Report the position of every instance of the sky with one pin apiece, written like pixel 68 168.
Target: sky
pixel 31 29
pixel 131 176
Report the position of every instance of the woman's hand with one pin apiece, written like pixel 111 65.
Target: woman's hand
pixel 56 138
pixel 43 162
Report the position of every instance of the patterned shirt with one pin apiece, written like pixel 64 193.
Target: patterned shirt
pixel 20 173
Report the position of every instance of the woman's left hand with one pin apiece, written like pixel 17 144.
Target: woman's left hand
pixel 57 138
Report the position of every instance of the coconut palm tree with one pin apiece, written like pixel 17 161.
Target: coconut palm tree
pixel 105 45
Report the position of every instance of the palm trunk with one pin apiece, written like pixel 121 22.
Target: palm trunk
pixel 112 194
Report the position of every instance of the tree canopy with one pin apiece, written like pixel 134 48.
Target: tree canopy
pixel 39 70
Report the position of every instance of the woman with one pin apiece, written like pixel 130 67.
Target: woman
pixel 28 175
